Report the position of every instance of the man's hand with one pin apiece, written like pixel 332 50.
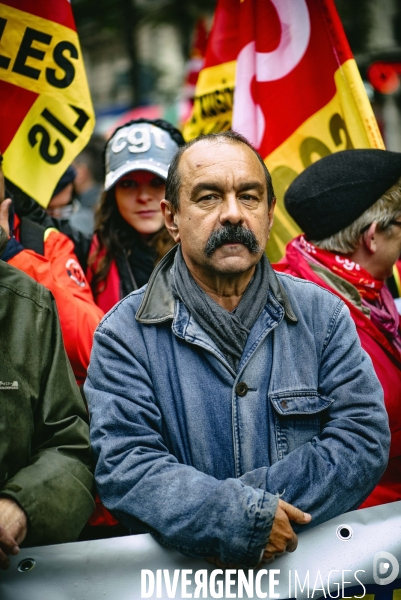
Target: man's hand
pixel 4 208
pixel 13 529
pixel 282 537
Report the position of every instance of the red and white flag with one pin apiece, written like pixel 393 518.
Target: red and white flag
pixel 281 73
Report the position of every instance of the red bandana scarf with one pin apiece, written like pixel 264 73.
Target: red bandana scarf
pixel 368 287
pixel 375 295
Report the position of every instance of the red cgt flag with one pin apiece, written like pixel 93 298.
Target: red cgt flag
pixel 281 73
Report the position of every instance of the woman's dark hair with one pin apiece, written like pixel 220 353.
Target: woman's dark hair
pixel 115 237
pixel 114 234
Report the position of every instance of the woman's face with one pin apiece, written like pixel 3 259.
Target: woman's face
pixel 138 195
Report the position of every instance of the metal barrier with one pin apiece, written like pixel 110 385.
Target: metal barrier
pixel 361 546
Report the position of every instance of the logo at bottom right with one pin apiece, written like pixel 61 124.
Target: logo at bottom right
pixel 385 568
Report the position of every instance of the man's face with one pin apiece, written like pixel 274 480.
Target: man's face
pixel 223 221
pixel 388 250
pixel 60 200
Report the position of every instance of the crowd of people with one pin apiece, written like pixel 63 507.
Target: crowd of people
pixel 232 403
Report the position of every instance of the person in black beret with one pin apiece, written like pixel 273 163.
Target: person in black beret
pixel 349 206
pixel 62 205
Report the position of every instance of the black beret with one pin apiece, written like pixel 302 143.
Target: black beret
pixel 334 191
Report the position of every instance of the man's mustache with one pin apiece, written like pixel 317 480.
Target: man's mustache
pixel 230 233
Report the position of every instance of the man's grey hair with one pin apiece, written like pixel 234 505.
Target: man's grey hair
pixel 384 210
pixel 173 182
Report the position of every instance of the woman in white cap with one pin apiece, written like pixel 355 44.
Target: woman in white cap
pixel 130 235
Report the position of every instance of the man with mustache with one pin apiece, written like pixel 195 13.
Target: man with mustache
pixel 230 406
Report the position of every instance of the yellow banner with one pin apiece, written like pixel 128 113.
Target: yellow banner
pixel 45 58
pixel 213 103
pixel 347 121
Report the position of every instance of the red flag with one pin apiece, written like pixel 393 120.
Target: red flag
pixel 45 104
pixel 281 73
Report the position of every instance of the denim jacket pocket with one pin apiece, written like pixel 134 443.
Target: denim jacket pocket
pixel 299 416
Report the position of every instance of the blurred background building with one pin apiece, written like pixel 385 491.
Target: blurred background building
pixel 137 54
pixel 142 56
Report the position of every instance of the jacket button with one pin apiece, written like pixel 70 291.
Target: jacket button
pixel 241 389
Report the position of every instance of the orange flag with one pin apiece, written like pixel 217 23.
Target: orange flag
pixel 281 73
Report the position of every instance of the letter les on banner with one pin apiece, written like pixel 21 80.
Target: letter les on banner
pixel 26 50
pixel 64 64
pixel 147 575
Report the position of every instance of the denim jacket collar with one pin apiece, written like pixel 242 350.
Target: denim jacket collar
pixel 158 302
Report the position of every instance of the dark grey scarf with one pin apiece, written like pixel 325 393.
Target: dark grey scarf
pixel 228 330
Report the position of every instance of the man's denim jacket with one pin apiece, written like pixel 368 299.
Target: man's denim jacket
pixel 199 454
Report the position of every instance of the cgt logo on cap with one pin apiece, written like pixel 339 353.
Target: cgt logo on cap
pixel 138 138
pixel 385 568
pixel 138 147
